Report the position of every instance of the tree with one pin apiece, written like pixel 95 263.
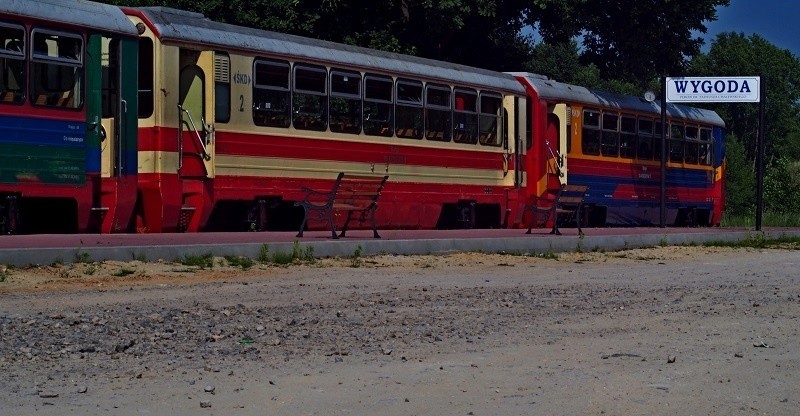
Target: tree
pixel 628 40
pixel 733 54
pixel 740 180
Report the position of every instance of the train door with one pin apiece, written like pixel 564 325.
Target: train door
pixel 556 135
pixel 196 113
pixel 111 133
pixel 111 130
pixel 195 137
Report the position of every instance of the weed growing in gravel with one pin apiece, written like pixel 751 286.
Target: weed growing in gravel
pixel 282 258
pixel 4 274
pixel 263 254
pixel 298 254
pixel 239 261
pixel 139 257
pixel 202 261
pixel 90 269
pixel 759 240
pixel 356 260
pixel 123 272
pixel 83 257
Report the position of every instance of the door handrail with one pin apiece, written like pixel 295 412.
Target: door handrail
pixel 205 155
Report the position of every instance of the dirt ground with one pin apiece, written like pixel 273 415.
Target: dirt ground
pixel 661 331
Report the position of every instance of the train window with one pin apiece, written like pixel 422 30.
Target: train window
pixel 489 123
pixel 704 152
pixel 609 140
pixel 111 77
pixel 645 148
pixel 345 102
pixel 590 144
pixel 528 124
pixel 57 69
pixel 438 112
pixel 676 134
pixel 627 137
pixel 465 116
pixel 222 87
pixel 377 105
pixel 12 63
pixel 271 102
pixel 691 147
pixel 309 98
pixel 146 78
pixel 657 140
pixel 408 109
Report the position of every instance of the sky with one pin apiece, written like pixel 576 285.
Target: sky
pixel 777 21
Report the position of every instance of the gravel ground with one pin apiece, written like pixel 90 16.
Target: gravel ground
pixel 668 330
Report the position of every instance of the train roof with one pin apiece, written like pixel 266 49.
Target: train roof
pixel 185 27
pixel 549 89
pixel 88 14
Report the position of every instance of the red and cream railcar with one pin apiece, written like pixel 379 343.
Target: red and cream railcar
pixel 233 121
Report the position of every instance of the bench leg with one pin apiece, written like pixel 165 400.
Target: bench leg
pixel 555 230
pixel 346 223
pixel 303 223
pixel 374 226
pixel 333 224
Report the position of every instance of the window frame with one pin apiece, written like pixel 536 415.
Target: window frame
pixel 9 95
pixel 56 97
pixel 491 137
pixel 354 113
pixel 591 132
pixel 415 131
pixel 443 113
pixel 268 89
pixel 385 126
pixel 465 120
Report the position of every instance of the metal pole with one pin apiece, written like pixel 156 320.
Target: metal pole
pixel 760 154
pixel 663 222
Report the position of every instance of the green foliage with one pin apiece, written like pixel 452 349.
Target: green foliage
pixel 759 240
pixel 123 272
pixel 631 41
pixel 740 180
pixel 263 254
pixel 736 54
pixel 4 274
pixel 298 254
pixel 239 261
pixel 782 186
pixel 355 259
pixel 203 261
pixel 83 257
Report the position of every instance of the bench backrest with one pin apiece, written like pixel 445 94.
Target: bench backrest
pixel 571 195
pixel 362 190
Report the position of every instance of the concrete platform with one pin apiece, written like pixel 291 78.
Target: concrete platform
pixel 66 248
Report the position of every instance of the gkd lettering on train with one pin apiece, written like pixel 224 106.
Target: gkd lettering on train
pixel 713 89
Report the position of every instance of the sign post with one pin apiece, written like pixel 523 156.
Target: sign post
pixel 716 90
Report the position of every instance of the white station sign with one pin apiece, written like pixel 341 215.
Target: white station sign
pixel 713 89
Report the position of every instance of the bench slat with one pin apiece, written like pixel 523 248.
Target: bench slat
pixel 355 194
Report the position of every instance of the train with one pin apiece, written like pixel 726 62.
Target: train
pixel 158 120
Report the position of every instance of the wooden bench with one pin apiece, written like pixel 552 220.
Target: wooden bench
pixel 567 202
pixel 355 194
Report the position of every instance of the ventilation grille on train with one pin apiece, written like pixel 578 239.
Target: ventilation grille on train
pixel 222 68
